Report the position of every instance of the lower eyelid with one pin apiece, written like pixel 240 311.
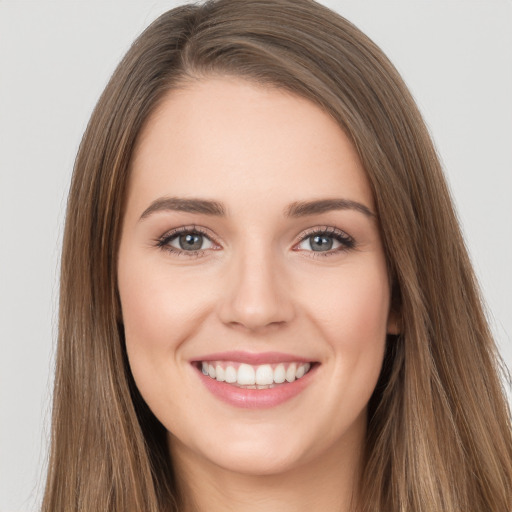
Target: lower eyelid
pixel 188 254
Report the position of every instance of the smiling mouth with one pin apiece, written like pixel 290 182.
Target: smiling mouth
pixel 247 376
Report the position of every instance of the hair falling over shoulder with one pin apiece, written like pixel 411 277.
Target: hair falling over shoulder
pixel 439 432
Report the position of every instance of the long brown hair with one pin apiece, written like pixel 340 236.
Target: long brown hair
pixel 439 433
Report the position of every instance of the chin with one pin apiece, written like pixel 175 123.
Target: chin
pixel 253 461
pixel 261 452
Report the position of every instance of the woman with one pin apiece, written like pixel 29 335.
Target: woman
pixel 266 303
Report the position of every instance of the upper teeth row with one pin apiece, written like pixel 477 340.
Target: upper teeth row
pixel 262 375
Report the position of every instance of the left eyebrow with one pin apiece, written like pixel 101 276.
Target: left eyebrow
pixel 304 208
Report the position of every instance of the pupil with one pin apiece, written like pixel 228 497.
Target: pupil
pixel 191 241
pixel 321 243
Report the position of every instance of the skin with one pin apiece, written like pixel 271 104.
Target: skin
pixel 257 286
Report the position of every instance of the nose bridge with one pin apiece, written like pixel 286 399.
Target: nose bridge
pixel 256 294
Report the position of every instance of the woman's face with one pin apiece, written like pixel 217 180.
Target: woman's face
pixel 252 278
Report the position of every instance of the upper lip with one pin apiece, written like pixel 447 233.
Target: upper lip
pixel 253 358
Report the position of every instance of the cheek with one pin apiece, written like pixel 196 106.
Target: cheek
pixel 160 308
pixel 160 311
pixel 351 316
pixel 354 323
pixel 354 304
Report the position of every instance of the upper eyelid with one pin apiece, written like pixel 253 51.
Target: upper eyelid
pixel 330 230
pixel 327 230
pixel 188 229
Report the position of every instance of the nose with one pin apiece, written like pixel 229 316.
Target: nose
pixel 256 295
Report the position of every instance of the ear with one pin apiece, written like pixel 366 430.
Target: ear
pixel 393 326
pixel 118 311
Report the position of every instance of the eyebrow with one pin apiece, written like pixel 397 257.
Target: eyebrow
pixel 304 208
pixel 214 208
pixel 204 206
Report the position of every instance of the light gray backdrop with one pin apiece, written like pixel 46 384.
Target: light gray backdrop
pixel 56 57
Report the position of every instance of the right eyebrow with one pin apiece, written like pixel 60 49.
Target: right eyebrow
pixel 204 206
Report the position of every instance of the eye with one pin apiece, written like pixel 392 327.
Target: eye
pixel 186 240
pixel 328 241
pixel 190 242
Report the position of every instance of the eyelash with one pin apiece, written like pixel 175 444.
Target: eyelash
pixel 163 242
pixel 346 241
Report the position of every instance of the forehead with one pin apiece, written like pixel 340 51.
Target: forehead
pixel 227 138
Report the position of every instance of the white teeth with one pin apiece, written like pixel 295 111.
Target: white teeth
pixel 230 375
pixel 246 375
pixel 279 374
pixel 264 375
pixel 220 375
pixel 290 373
pixel 255 377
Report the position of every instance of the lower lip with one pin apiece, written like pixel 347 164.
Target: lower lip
pixel 256 398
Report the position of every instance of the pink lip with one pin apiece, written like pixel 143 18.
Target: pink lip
pixel 254 398
pixel 253 358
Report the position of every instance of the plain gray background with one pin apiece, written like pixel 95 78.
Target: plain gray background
pixel 56 57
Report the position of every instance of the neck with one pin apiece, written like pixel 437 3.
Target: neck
pixel 328 483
